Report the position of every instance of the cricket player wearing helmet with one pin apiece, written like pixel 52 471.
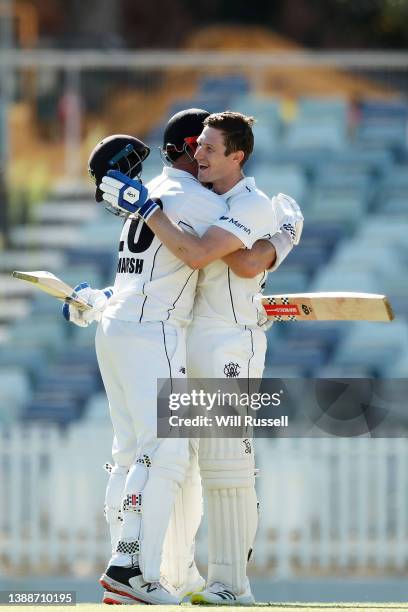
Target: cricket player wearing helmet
pixel 140 338
pixel 225 329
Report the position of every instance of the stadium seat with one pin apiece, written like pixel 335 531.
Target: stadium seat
pixel 231 84
pixel 286 280
pixel 66 213
pixel 50 237
pixel 97 408
pixel 289 179
pixel 327 279
pixel 31 260
pixel 48 334
pixel 32 359
pixel 315 134
pixel 323 108
pixel 372 345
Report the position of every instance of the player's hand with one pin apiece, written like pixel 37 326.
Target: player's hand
pixel 127 195
pixel 98 298
pixel 289 217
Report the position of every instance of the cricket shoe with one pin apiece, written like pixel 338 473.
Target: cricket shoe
pixel 114 599
pixel 195 583
pixel 153 592
pixel 218 593
pixel 129 582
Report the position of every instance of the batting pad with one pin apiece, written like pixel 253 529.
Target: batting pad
pixel 170 464
pixel 232 524
pixel 178 552
pixel 113 501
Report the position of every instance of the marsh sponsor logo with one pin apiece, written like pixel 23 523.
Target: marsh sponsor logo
pixel 236 223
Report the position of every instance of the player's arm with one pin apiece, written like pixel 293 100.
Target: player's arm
pixel 196 252
pixel 248 263
pixel 130 196
pixel 269 254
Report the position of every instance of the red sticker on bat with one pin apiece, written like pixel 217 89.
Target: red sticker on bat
pixel 275 310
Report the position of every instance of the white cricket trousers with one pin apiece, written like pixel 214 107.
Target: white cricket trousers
pixel 131 357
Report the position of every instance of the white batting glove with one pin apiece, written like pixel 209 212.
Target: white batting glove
pixel 126 195
pixel 98 298
pixel 289 219
pixel 289 216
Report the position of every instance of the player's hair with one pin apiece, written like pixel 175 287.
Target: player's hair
pixel 237 131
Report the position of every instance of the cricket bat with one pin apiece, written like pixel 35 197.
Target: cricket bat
pixel 328 306
pixel 49 283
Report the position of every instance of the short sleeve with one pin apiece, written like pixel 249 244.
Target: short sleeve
pixel 249 220
pixel 201 211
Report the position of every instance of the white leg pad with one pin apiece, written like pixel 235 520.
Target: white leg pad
pixel 178 552
pixel 166 475
pixel 113 500
pixel 227 470
pixel 129 540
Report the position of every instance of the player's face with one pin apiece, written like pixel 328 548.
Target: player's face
pixel 213 164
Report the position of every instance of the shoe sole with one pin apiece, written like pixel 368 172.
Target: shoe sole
pixel 117 587
pixel 121 589
pixel 112 599
pixel 198 599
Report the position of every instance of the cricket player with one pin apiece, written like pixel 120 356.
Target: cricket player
pixel 140 338
pixel 224 338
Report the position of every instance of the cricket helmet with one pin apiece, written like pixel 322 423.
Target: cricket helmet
pixel 181 132
pixel 117 152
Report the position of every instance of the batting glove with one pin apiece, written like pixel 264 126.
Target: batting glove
pixel 127 195
pixel 97 298
pixel 289 219
pixel 289 216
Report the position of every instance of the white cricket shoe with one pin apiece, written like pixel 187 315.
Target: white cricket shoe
pixel 218 593
pixel 114 599
pixel 153 592
pixel 195 583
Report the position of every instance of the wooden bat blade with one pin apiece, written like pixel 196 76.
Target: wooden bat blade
pixel 328 306
pixel 51 284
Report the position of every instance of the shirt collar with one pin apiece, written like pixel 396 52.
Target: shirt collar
pixel 171 172
pixel 247 181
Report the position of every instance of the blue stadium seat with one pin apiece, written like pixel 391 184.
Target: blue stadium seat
pixel 308 355
pixel 47 334
pixel 315 134
pixel 324 108
pixel 383 122
pixel 273 179
pixel 97 408
pixel 327 279
pixel 345 209
pixel 265 109
pixel 286 281
pixel 372 344
pixel 32 359
pixel 375 161
pixel 231 84
pixel 61 408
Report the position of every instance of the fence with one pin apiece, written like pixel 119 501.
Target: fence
pixel 326 504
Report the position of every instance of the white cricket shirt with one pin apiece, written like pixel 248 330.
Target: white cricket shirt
pixel 151 283
pixel 221 294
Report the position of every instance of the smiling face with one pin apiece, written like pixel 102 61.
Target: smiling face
pixel 213 165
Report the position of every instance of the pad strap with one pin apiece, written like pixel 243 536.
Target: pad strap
pixel 132 502
pixel 129 547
